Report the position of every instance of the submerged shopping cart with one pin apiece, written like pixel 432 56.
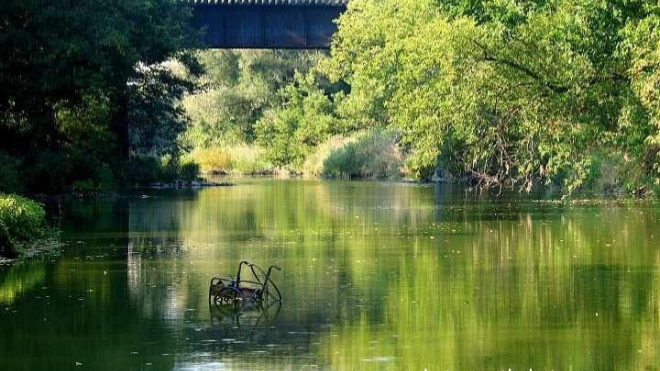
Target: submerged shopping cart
pixel 232 290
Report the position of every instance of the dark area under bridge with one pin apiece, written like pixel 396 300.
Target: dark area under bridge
pixel 267 24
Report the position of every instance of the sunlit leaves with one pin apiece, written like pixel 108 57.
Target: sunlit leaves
pixel 509 93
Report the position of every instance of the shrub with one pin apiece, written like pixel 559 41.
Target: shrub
pixel 313 165
pixel 103 181
pixel 52 171
pixel 84 187
pixel 22 219
pixel 372 154
pixel 614 172
pixel 144 169
pixel 188 171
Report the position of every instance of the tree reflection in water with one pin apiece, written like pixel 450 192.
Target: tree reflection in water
pixel 377 276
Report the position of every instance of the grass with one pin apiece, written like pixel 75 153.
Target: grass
pixel 372 154
pixel 239 159
pixel 313 167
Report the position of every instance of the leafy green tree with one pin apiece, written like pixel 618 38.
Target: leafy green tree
pixel 643 47
pixel 238 88
pixel 289 133
pixel 503 92
pixel 69 73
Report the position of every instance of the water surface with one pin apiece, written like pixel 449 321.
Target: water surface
pixel 376 276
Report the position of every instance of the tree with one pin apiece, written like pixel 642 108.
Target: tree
pixel 505 93
pixel 79 60
pixel 237 89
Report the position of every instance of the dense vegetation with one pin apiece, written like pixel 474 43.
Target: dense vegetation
pixel 505 93
pixel 21 220
pixel 87 84
pixel 498 93
pixel 237 90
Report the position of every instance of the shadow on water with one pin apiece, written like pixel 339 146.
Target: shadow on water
pixel 376 276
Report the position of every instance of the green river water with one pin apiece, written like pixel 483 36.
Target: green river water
pixel 376 276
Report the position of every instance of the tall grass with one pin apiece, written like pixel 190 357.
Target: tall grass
pixel 313 167
pixel 372 154
pixel 242 159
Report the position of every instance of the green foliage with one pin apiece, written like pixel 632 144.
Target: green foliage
pixel 241 159
pixel 249 159
pixel 468 94
pixel 188 171
pixel 21 219
pixel 291 132
pixel 372 154
pixel 85 82
pixel 238 87
pixel 84 187
pixel 643 48
pixel 214 159
pixel 145 169
pixel 6 243
pixel 313 165
pixel 156 116
pixel 505 93
pixel 243 92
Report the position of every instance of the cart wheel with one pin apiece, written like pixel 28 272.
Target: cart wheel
pixel 226 295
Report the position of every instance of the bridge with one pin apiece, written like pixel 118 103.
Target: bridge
pixel 267 24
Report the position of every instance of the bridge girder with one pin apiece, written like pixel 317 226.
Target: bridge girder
pixel 259 26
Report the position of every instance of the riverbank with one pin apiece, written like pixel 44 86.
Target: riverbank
pixel 184 184
pixel 377 156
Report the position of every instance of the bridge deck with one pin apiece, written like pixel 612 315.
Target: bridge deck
pixel 271 2
pixel 267 24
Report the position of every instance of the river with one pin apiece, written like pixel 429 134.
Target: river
pixel 375 276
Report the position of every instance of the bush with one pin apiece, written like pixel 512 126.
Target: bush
pixel 21 219
pixel 102 181
pixel 51 171
pixel 105 181
pixel 144 169
pixel 313 165
pixel 84 187
pixel 614 173
pixel 372 154
pixel 188 171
